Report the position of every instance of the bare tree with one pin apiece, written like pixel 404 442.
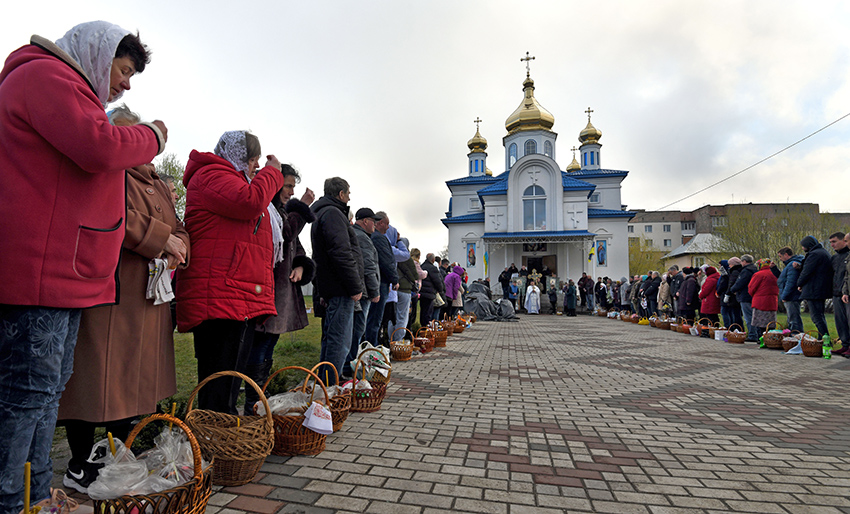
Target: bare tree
pixel 643 257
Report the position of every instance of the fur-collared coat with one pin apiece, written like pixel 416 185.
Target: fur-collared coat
pixel 124 360
pixel 288 299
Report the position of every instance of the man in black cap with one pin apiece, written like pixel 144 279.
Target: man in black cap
pixel 364 226
pixel 389 279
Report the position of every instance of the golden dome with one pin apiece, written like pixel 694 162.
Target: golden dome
pixel 590 134
pixel 488 172
pixel 477 143
pixel 573 165
pixel 530 115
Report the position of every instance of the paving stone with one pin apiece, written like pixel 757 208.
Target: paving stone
pixel 252 504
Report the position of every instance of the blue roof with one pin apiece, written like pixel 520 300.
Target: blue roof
pixel 609 213
pixel 497 188
pixel 574 184
pixel 466 218
pixel 483 179
pixel 599 173
pixel 538 233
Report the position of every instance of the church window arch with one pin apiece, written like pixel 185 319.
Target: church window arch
pixel 534 208
pixel 547 148
pixel 530 147
pixel 512 153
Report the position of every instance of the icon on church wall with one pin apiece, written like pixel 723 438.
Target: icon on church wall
pixel 533 247
pixel 602 253
pixel 470 255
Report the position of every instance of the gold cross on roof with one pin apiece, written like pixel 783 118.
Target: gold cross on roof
pixel 588 111
pixel 477 120
pixel 528 58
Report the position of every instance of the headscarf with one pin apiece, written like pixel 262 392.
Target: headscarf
pixel 735 261
pixel 92 45
pixel 232 146
pixel 763 263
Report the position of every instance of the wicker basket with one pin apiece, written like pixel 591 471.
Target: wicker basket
pixel 401 350
pixel 736 337
pixel 713 330
pixel 369 400
pixel 704 329
pixel 472 317
pixel 440 337
pixel 460 325
pixel 340 404
pixel 291 437
pixel 663 324
pixel 773 340
pixel 238 444
pixel 188 498
pixel 449 327
pixel 812 346
pixel 652 321
pixel 635 318
pixel 425 342
pixel 789 342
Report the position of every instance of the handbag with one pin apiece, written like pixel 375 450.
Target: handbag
pixel 438 300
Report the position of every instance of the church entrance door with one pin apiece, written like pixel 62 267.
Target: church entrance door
pixel 538 263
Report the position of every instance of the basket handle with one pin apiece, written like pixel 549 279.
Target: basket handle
pixel 359 360
pixel 735 325
pixel 427 330
pixel 315 368
pixel 261 392
pixel 196 449
pixel 309 373
pixel 401 328
pixel 776 325
pixel 706 319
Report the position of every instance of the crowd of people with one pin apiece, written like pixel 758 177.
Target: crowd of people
pixel 98 258
pixel 742 291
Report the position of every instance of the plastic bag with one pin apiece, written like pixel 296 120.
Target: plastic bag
pixel 120 473
pixel 293 403
pixel 372 362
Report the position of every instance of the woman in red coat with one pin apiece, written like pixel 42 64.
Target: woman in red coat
pixel 710 303
pixel 765 292
pixel 229 287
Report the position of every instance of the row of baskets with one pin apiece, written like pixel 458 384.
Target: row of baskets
pixel 776 339
pixel 235 447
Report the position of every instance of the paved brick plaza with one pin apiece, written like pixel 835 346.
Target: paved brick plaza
pixel 584 414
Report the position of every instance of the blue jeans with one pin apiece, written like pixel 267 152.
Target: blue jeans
pixel 376 315
pixel 747 309
pixel 36 360
pixel 263 348
pixel 337 326
pixel 358 328
pixel 816 312
pixel 402 309
pixel 591 301
pixel 795 319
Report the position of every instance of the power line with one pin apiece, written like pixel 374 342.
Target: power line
pixel 756 164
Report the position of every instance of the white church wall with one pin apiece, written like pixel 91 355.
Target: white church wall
pixel 460 235
pixel 496 214
pixel 543 172
pixel 613 232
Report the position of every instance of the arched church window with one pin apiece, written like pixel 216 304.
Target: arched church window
pixel 512 153
pixel 534 208
pixel 530 147
pixel 547 148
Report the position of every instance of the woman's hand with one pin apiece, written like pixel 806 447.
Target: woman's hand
pixel 308 196
pixel 272 161
pixel 296 274
pixel 176 250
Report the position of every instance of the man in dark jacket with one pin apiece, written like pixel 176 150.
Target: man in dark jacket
pixel 728 298
pixel 364 226
pixel 787 282
pixel 505 282
pixel 839 261
pixel 675 284
pixel 815 281
pixel 432 285
pixel 741 290
pixel 389 279
pixel 651 293
pixel 339 270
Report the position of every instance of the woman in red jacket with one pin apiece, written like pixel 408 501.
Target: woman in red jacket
pixel 229 286
pixel 710 303
pixel 765 292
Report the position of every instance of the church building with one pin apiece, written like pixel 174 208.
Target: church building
pixel 534 214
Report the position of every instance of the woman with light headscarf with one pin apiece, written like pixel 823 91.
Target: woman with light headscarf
pixel 62 202
pixel 230 287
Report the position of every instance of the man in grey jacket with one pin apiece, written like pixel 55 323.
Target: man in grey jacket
pixel 364 225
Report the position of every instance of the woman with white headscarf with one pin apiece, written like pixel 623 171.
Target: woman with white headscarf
pixel 229 287
pixel 62 200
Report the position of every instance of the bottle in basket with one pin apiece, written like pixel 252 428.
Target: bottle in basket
pixel 827 347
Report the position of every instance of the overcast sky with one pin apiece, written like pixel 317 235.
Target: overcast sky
pixel 384 93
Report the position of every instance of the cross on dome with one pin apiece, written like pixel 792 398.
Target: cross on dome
pixel 528 58
pixel 588 111
pixel 477 120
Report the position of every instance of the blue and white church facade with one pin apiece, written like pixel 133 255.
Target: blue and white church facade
pixel 534 214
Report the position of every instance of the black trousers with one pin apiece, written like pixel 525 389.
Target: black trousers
pixel 426 309
pixel 222 345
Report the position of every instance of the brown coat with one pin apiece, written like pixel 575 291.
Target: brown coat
pixel 288 300
pixel 124 360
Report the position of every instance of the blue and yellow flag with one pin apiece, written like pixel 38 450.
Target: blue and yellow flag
pixel 591 253
pixel 486 263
